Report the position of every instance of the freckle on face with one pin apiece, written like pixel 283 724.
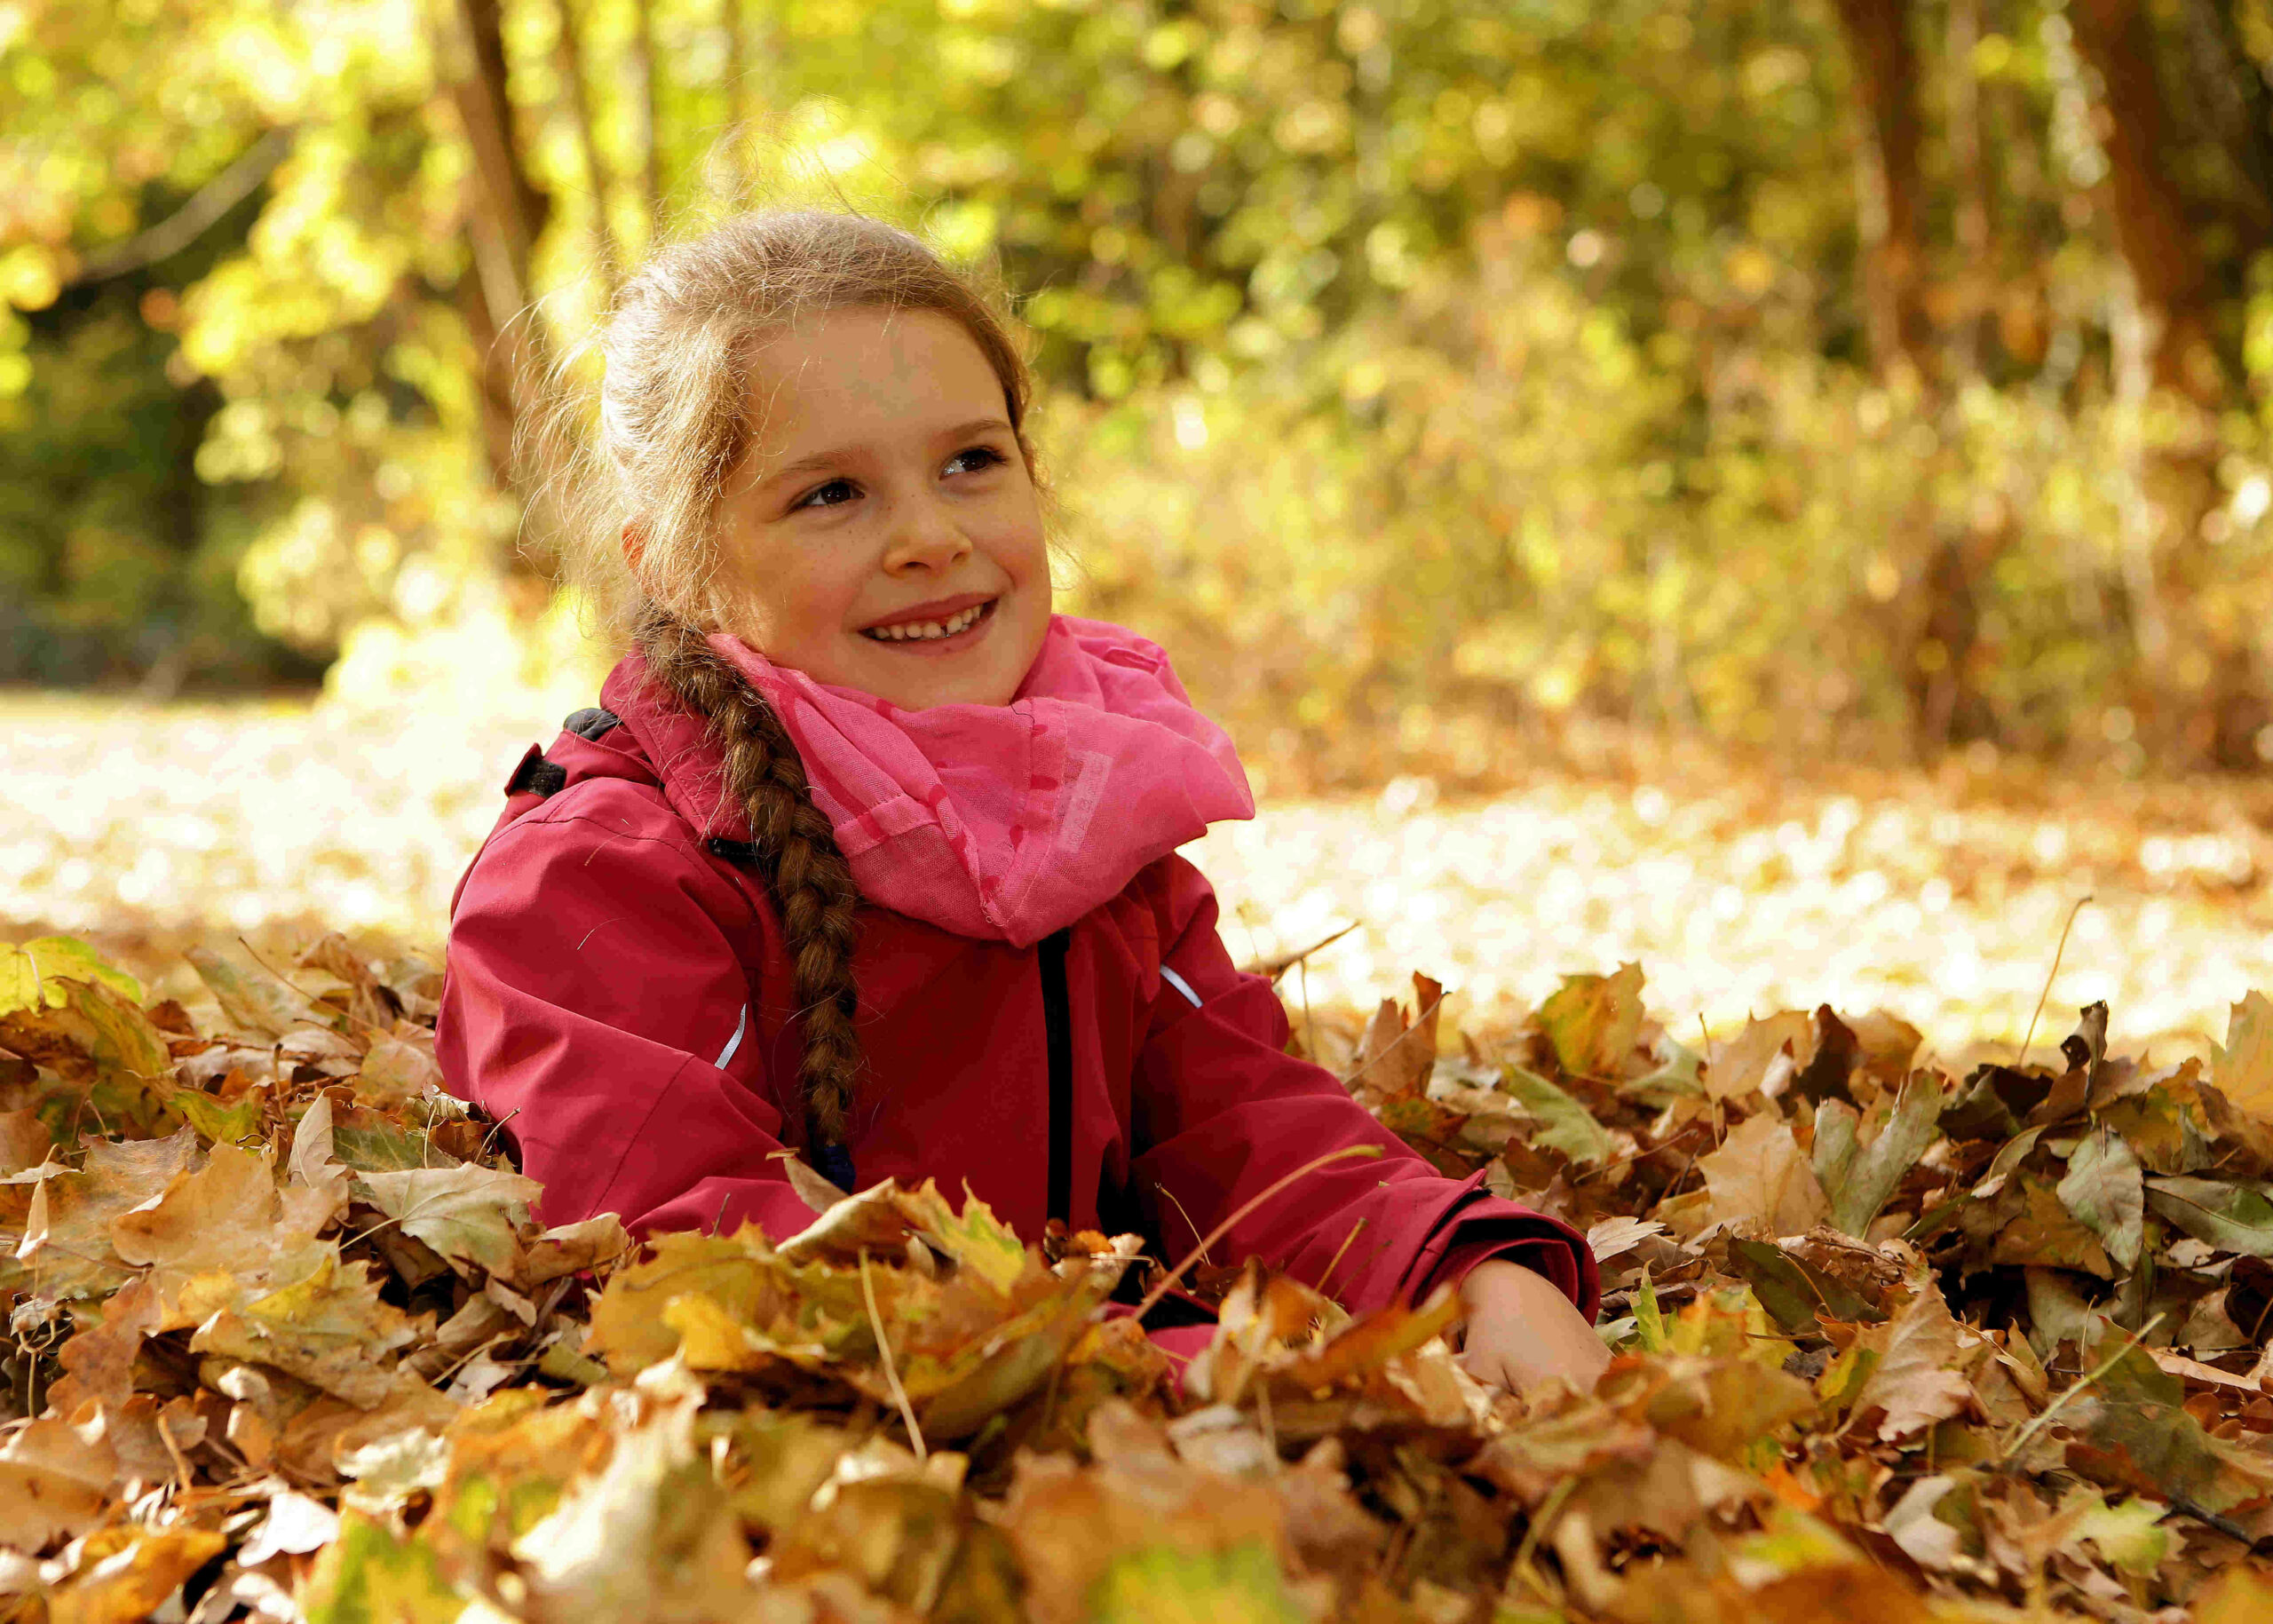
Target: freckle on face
pixel 910 511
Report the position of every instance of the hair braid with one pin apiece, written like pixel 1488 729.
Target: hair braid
pixel 811 882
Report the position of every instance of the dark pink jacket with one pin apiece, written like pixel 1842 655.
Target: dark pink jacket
pixel 619 993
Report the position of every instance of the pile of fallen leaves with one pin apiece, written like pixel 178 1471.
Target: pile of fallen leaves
pixel 284 1342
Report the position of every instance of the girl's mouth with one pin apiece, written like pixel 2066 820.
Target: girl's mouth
pixel 945 635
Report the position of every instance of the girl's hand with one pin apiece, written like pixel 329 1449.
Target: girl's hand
pixel 1522 1330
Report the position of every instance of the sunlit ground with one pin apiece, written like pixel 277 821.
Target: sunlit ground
pixel 1940 898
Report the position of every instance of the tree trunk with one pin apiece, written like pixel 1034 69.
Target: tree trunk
pixel 1977 274
pixel 649 70
pixel 2231 94
pixel 517 208
pixel 505 214
pixel 2152 230
pixel 1886 78
pixel 2198 688
pixel 568 62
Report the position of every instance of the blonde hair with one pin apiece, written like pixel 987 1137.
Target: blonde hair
pixel 679 345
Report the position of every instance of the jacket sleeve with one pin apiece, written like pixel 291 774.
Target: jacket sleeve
pixel 594 1004
pixel 1221 1111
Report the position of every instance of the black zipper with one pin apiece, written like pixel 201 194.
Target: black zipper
pixel 1057 1033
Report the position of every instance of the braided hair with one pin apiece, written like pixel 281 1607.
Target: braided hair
pixel 808 877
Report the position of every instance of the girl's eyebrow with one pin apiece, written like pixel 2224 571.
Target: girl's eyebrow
pixel 820 460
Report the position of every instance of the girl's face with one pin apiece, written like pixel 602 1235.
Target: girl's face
pixel 884 533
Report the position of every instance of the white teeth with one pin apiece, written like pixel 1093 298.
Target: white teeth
pixel 930 628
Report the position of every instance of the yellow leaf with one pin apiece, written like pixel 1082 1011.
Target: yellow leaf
pixel 124 1574
pixel 2243 1069
pixel 28 972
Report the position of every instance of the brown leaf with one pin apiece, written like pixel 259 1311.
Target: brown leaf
pixel 1395 1058
pixel 1741 1064
pixel 1760 1180
pixel 100 1360
pixel 53 1483
pixel 1917 1380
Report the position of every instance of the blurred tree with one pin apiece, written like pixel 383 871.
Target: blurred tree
pixel 1533 359
pixel 1891 206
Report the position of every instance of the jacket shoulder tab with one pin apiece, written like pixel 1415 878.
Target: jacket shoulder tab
pixel 535 775
pixel 592 722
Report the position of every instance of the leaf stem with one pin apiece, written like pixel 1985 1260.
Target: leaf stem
pixel 2043 1418
pixel 891 1372
pixel 2021 1053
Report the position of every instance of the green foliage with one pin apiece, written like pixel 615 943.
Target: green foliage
pixel 1401 362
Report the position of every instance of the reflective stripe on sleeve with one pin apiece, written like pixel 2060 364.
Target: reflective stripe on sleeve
pixel 1180 984
pixel 741 1024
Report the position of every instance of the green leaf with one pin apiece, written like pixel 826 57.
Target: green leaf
pixel 1676 1079
pixel 978 1241
pixel 369 1576
pixel 2009 1159
pixel 1649 1318
pixel 1876 1171
pixel 2103 1189
pixel 1239 1586
pixel 219 1124
pixel 261 1005
pixel 1792 1291
pixel 1594 1020
pixel 28 972
pixel 2231 1217
pixel 2130 1536
pixel 1565 1124
pixel 467 1214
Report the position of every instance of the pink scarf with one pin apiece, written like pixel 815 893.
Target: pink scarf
pixel 1008 822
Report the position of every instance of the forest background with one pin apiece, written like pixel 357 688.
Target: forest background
pixel 1453 388
pixel 1873 377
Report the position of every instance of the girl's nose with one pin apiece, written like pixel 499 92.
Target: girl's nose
pixel 926 535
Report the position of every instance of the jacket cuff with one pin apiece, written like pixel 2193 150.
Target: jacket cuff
pixel 1550 1256
pixel 1484 1226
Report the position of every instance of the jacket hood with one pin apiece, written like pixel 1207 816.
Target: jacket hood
pixel 1000 822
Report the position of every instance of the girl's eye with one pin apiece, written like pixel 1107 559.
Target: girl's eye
pixel 813 497
pixel 986 455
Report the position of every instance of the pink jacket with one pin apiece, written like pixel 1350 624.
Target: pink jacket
pixel 619 989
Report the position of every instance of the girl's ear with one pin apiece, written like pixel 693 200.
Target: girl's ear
pixel 635 545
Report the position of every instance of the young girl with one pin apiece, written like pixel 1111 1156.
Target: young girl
pixel 871 856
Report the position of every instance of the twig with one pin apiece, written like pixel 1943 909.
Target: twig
pixel 1549 1509
pixel 313 1001
pixel 1278 967
pixel 1335 1261
pixel 2022 1054
pixel 891 1372
pixel 1186 1216
pixel 495 1128
pixel 191 220
pixel 2043 1418
pixel 2209 1518
pixel 1161 1289
pixel 1310 1021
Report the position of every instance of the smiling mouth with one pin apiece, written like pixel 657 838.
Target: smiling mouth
pixel 941 631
